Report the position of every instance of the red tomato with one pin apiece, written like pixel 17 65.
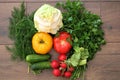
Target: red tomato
pixel 61 43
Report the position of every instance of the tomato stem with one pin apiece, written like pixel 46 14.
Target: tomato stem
pixel 41 41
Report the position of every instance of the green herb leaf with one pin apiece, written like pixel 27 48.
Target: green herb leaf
pixel 79 57
pixel 83 62
pixel 21 30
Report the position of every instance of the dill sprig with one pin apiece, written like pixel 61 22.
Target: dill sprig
pixel 21 30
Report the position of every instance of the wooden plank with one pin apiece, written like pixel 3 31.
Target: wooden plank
pixel 100 68
pixel 6 13
pixel 110 0
pixel 42 0
pixel 112 35
pixel 110 49
pixel 4 39
pixel 12 70
pixel 4 21
pixel 110 12
pixel 104 67
pixel 94 7
pixel 34 6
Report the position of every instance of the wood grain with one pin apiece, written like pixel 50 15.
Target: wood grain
pixel 110 49
pixel 41 0
pixel 105 65
pixel 5 13
pixel 110 12
pixel 101 65
pixel 94 7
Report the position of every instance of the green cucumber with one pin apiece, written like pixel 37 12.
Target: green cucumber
pixel 33 58
pixel 41 65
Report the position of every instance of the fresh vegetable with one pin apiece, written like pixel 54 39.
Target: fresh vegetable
pixel 67 74
pixel 62 68
pixel 63 65
pixel 42 42
pixel 56 72
pixel 62 43
pixel 84 28
pixel 62 57
pixel 21 30
pixel 33 58
pixel 48 19
pixel 71 69
pixel 79 57
pixel 55 64
pixel 41 65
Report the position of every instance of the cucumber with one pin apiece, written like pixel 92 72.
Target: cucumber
pixel 41 65
pixel 33 58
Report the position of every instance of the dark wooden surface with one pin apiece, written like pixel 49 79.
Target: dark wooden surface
pixel 106 64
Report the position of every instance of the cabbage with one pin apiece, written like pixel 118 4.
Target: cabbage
pixel 48 19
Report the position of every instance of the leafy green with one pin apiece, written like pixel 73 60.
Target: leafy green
pixel 79 57
pixel 21 30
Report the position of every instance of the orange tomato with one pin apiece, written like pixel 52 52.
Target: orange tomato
pixel 42 42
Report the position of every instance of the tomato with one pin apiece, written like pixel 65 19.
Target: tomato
pixel 42 42
pixel 61 43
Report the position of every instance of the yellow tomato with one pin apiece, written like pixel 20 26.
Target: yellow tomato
pixel 42 42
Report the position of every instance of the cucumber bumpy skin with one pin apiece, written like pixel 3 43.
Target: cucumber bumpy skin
pixel 33 58
pixel 41 65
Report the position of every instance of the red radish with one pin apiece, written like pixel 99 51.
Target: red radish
pixel 63 65
pixel 62 57
pixel 56 72
pixel 55 64
pixel 71 69
pixel 67 74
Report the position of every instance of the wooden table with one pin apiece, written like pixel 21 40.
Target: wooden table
pixel 106 64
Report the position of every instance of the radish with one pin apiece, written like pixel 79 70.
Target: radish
pixel 56 72
pixel 62 57
pixel 67 74
pixel 55 64
pixel 71 69
pixel 63 65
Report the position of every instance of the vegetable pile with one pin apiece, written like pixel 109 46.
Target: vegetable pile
pixel 75 34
